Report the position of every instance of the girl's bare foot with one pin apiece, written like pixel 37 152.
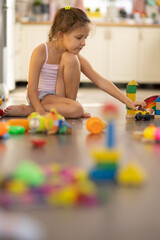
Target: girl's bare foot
pixel 21 110
pixel 86 115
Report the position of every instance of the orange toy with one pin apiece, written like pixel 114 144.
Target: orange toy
pixel 95 125
pixel 3 128
pixel 19 122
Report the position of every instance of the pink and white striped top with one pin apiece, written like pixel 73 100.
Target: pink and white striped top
pixel 48 75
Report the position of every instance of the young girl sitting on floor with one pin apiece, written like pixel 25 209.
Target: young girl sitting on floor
pixel 55 68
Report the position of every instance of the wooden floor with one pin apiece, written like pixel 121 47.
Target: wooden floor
pixel 129 213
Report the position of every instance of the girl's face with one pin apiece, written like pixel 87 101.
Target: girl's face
pixel 75 40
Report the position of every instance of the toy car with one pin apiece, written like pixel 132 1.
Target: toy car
pixel 142 113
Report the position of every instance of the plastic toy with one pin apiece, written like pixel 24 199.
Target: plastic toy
pixel 95 125
pixel 149 132
pixel 131 94
pixel 131 175
pixel 29 173
pixel 16 130
pixel 3 129
pixel 51 123
pixel 142 113
pixel 157 110
pixel 19 122
pixel 106 158
pixel 50 184
pixel 38 142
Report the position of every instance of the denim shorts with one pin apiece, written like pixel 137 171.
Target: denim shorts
pixel 41 95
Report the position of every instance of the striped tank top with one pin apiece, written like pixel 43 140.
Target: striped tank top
pixel 48 75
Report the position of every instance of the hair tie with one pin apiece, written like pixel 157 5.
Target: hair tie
pixel 67 8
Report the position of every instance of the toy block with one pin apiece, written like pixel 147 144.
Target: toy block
pixel 131 96
pixel 130 112
pixel 106 156
pixel 157 112
pixel 131 89
pixel 157 105
pixel 133 82
pixel 98 174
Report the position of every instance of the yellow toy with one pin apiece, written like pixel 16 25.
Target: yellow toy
pixel 131 175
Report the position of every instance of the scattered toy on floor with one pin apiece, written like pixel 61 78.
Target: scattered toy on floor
pixel 95 125
pixel 51 123
pixel 132 174
pixel 34 185
pixel 107 158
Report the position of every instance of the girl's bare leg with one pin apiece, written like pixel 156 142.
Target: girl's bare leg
pixel 66 107
pixel 21 110
pixel 69 77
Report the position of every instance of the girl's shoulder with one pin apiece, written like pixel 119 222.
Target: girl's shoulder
pixel 40 51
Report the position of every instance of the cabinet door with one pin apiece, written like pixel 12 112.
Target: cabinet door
pixel 96 51
pixel 30 36
pixel 123 54
pixel 149 64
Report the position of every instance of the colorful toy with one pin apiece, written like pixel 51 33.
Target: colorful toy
pixel 131 94
pixel 51 123
pixel 157 110
pixel 131 174
pixel 95 125
pixel 142 113
pixel 50 184
pixel 107 158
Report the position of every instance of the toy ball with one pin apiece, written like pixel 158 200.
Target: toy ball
pixel 149 132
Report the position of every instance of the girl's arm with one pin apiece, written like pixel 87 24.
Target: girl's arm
pixel 36 62
pixel 106 85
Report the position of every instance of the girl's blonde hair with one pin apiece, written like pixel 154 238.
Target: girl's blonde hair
pixel 66 20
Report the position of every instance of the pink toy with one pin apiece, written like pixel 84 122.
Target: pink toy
pixel 157 134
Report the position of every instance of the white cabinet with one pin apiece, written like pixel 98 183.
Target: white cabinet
pixel 123 55
pixel 113 53
pixel 28 37
pixel 118 53
pixel 149 55
pixel 96 51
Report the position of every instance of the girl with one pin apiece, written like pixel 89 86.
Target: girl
pixel 55 68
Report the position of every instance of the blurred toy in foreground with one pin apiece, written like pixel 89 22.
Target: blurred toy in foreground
pixel 132 174
pixel 107 158
pixel 32 185
pixel 51 123
pixel 95 125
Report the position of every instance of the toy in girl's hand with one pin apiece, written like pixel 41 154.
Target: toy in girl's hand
pixel 51 123
pixel 1 111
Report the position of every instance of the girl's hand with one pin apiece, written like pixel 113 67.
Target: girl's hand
pixel 134 105
pixel 43 113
